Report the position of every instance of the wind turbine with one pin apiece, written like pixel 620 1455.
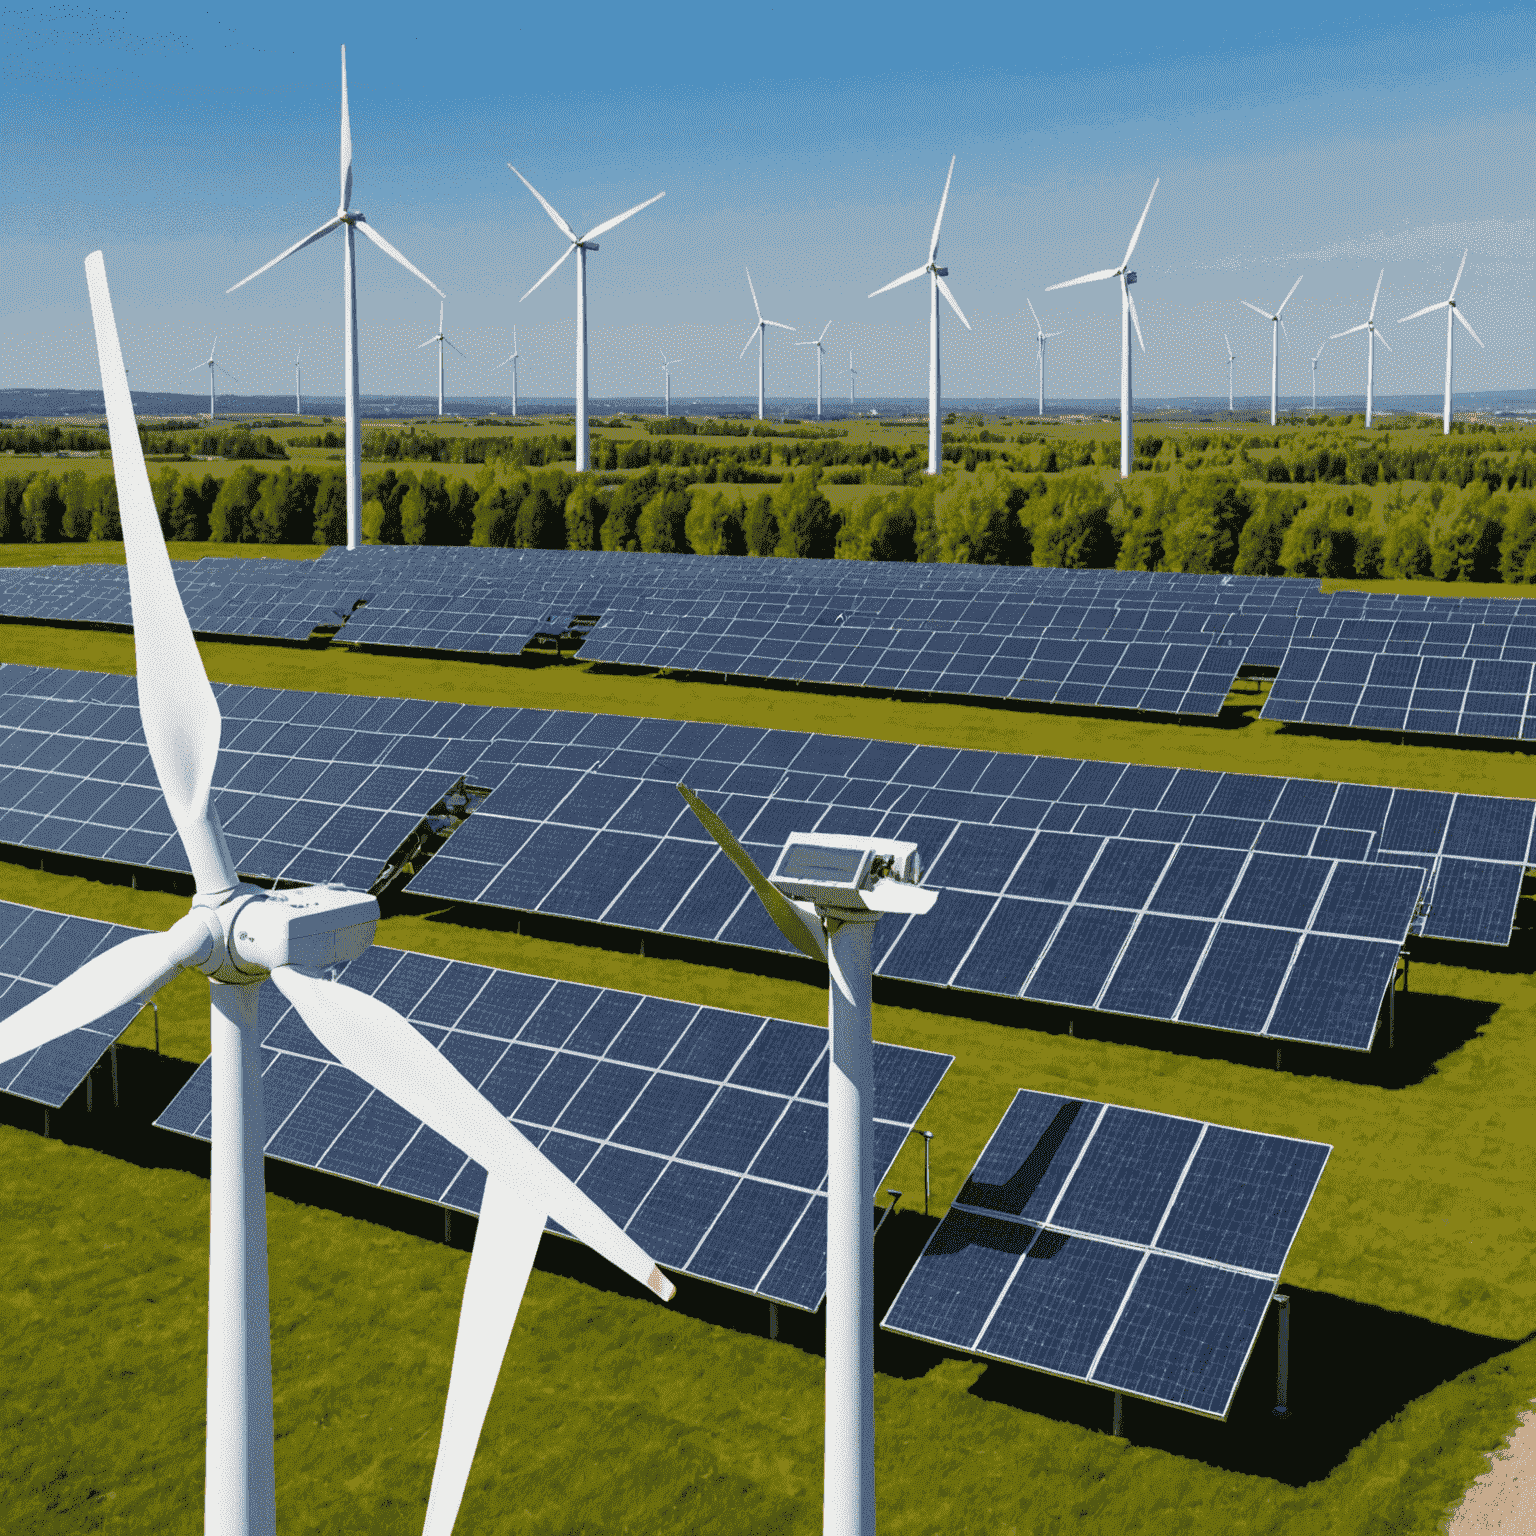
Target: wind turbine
pixel 1041 337
pixel 757 335
pixel 1451 314
pixel 581 245
pixel 240 937
pixel 1368 325
pixel 298 384
pixel 441 341
pixel 1231 358
pixel 1276 326
pixel 936 286
pixel 666 368
pixel 1128 318
pixel 853 374
pixel 1319 353
pixel 351 221
pixel 513 360
pixel 212 366
pixel 819 350
pixel 825 895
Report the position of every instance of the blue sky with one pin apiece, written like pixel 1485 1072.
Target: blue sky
pixel 808 142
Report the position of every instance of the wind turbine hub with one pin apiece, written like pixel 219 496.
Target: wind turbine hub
pixel 1130 277
pixel 253 931
pixel 939 271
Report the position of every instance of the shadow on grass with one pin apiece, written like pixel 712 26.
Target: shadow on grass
pixel 1404 738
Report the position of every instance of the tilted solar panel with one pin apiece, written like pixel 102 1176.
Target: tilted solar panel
pixel 702 1132
pixel 1133 1250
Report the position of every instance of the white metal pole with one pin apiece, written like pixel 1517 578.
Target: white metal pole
pixel 1370 372
pixel 1229 386
pixel 1314 386
pixel 848 1500
pixel 935 429
pixel 762 337
pixel 851 377
pixel 239 1492
pixel 818 381
pixel 514 378
pixel 667 403
pixel 298 391
pixel 1274 368
pixel 439 375
pixel 210 389
pixel 1450 337
pixel 583 452
pixel 1125 379
pixel 354 447
pixel 1040 346
pixel 1283 1358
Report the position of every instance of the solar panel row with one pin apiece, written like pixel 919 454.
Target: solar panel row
pixel 702 1132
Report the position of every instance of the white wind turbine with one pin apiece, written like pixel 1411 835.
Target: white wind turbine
pixel 240 937
pixel 298 384
pixel 1041 337
pixel 1128 318
pixel 1452 313
pixel 1276 326
pixel 819 350
pixel 513 360
pixel 758 336
pixel 213 367
pixel 581 245
pixel 853 374
pixel 825 895
pixel 1315 357
pixel 441 341
pixel 348 219
pixel 936 285
pixel 667 365
pixel 1368 325
pixel 1231 358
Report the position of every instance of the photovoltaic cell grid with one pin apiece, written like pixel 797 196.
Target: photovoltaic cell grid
pixel 702 1132
pixel 1132 1250
pixel 309 787
pixel 37 951
pixel 1381 691
pixel 487 620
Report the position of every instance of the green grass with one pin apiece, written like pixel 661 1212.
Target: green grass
pixel 616 1414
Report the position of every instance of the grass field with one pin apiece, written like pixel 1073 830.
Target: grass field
pixel 1413 1281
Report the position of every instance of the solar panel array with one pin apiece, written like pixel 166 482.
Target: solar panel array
pixel 701 1132
pixel 1135 1251
pixel 451 618
pixel 37 951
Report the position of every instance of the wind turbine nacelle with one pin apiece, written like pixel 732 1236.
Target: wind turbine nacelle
pixel 837 870
pixel 314 927
pixel 1130 277
pixel 941 271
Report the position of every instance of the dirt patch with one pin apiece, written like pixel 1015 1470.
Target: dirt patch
pixel 1503 1499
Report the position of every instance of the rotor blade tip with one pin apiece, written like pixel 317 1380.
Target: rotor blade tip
pixel 659 1283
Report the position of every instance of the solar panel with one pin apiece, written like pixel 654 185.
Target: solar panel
pixel 1132 1250
pixel 702 1132
pixel 37 951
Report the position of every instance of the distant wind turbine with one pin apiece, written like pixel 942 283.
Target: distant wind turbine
pixel 1368 325
pixel 212 366
pixel 1276 326
pixel 936 285
pixel 581 244
pixel 1451 314
pixel 1041 337
pixel 667 365
pixel 441 341
pixel 1128 318
pixel 298 384
pixel 757 335
pixel 853 374
pixel 346 218
pixel 1231 358
pixel 1314 375
pixel 513 360
pixel 819 350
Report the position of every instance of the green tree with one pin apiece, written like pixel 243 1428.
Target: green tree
pixel 1322 540
pixel 374 517
pixel 1206 529
pixel 662 526
pixel 1517 550
pixel 619 527
pixel 77 505
pixel 585 509
pixel 106 523
pixel 807 526
pixel 1263 535
pixel 229 519
pixel 11 495
pixel 1070 524
pixel 760 528
pixel 1467 548
pixel 331 507
pixel 496 513
pixel 976 519
pixel 285 510
pixel 42 511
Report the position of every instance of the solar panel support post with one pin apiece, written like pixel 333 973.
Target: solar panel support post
pixel 447 1225
pixel 113 1053
pixel 1119 1414
pixel 1283 1358
pixel 927 1170
pixel 47 1128
pixel 90 1102
pixel 773 1319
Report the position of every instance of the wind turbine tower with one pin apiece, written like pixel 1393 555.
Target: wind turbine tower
pixel 1041 337
pixel 936 285
pixel 1372 336
pixel 441 341
pixel 819 350
pixel 1317 355
pixel 1128 318
pixel 1452 314
pixel 513 360
pixel 758 331
pixel 581 244
pixel 853 374
pixel 298 384
pixel 351 221
pixel 826 894
pixel 212 368
pixel 1276 326
pixel 1230 360
pixel 666 369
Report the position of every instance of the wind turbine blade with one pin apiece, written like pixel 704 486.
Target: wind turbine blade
pixel 428 342
pixel 789 919
pixel 1428 309
pixel 1470 332
pixel 778 325
pixel 565 229
pixel 1286 335
pixel 134 969
pixel 1228 341
pixel 506 1243
pixel 755 305
pixel 1287 299
pixel 1142 220
pixel 1318 354
pixel 309 239
pixel 887 895
pixel 389 250
pixel 1459 270
pixel 450 344
pixel 346 138
pixel 1049 335
pixel 1377 294
pixel 179 713
pixel 602 229
pixel 1364 325
pixel 196 366
pixel 827 327
pixel 1135 319
pixel 1033 316
pixel 933 244
pixel 566 252
pixel 369 1038
pixel 1255 308
pixel 503 363
pixel 1383 340
pixel 756 329
pixel 1092 277
pixel 944 289
pixel 221 369
pixel 911 276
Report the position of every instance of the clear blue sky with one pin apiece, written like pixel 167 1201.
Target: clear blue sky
pixel 807 141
